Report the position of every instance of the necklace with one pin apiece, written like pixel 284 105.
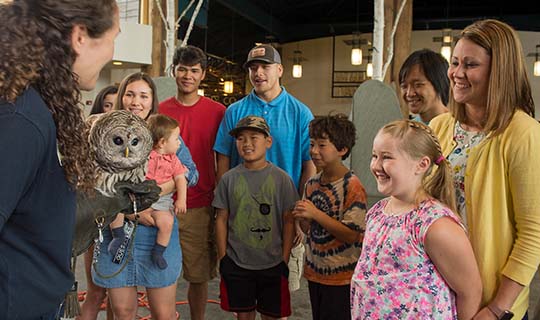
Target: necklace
pixel 466 139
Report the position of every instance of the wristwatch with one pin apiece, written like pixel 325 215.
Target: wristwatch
pixel 499 313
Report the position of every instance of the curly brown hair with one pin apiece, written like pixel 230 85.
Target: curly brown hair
pixel 35 50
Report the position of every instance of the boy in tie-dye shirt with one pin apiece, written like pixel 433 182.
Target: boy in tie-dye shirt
pixel 332 214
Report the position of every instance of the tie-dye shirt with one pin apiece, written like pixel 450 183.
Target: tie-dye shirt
pixel 328 260
pixel 394 277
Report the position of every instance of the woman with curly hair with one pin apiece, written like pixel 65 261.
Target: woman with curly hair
pixel 49 51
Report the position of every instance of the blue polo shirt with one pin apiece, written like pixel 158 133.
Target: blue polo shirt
pixel 288 119
pixel 37 211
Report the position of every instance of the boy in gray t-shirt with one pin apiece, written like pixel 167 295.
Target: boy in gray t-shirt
pixel 254 227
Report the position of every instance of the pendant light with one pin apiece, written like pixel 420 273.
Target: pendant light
pixel 297 64
pixel 446 47
pixel 537 62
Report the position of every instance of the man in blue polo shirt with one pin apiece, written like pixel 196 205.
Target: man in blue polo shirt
pixel 288 119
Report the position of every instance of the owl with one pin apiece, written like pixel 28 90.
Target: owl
pixel 121 143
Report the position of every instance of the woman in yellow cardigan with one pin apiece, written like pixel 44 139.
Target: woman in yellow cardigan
pixel 493 143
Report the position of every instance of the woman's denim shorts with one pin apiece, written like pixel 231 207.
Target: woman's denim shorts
pixel 140 270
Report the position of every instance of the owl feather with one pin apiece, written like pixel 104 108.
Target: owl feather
pixel 120 142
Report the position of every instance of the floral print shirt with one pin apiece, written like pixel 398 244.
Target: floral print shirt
pixel 394 277
pixel 465 141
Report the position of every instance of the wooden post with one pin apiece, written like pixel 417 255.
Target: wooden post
pixel 157 67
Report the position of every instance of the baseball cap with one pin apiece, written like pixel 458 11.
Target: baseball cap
pixel 252 123
pixel 263 53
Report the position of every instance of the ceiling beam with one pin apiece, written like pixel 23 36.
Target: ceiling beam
pixel 256 16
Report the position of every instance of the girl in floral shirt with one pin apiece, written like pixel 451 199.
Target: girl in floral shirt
pixel 416 260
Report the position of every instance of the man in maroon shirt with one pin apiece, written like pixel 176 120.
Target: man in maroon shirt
pixel 199 118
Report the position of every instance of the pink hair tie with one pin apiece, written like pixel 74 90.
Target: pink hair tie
pixel 440 159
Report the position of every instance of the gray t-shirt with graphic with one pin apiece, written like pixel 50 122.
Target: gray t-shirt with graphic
pixel 256 201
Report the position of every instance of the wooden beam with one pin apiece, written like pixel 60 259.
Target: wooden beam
pixel 156 69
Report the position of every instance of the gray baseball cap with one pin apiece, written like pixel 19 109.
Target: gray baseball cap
pixel 264 53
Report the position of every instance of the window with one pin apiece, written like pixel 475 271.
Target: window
pixel 129 10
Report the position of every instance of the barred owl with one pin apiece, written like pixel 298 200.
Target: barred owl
pixel 121 143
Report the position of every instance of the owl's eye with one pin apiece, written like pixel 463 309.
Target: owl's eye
pixel 118 141
pixel 135 141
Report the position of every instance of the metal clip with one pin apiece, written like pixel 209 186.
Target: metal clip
pixel 100 222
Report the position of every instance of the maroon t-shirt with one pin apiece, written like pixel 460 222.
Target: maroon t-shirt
pixel 198 127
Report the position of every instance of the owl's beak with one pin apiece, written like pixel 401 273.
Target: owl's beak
pixel 127 152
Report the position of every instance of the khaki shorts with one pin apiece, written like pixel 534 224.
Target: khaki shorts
pixel 198 242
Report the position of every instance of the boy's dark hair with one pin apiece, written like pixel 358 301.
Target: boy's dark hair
pixel 337 128
pixel 434 66
pixel 189 56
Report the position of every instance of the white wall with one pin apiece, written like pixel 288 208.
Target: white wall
pixel 134 46
pixel 314 88
pixel 134 43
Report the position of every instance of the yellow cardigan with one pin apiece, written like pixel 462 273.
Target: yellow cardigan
pixel 502 194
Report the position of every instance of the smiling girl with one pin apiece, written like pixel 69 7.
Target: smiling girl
pixel 416 260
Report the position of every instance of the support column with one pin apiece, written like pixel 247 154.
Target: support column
pixel 157 67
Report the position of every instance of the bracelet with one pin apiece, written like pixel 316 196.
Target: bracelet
pixel 490 308
pixel 499 313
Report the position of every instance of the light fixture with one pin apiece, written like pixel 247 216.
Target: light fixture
pixel 369 67
pixel 200 92
pixel 228 86
pixel 446 47
pixel 117 63
pixel 297 64
pixel 297 71
pixel 356 52
pixel 537 62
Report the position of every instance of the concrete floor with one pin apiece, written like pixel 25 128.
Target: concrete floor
pixel 300 299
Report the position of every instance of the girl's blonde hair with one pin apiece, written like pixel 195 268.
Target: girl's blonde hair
pixel 418 140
